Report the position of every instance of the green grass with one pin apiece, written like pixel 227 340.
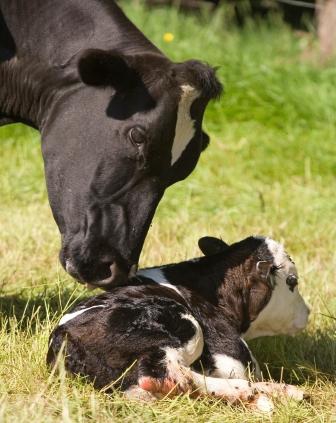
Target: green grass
pixel 270 169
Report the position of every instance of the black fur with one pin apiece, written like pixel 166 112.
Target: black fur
pixel 129 333
pixel 101 68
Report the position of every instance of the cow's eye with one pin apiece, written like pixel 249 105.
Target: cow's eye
pixel 137 135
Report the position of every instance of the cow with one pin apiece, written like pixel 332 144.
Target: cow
pixel 119 123
pixel 182 327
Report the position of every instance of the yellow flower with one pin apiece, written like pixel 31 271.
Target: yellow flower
pixel 168 37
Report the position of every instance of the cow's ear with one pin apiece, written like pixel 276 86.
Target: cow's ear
pixel 210 245
pixel 101 68
pixel 205 140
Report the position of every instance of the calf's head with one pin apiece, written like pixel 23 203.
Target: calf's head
pixel 130 128
pixel 260 286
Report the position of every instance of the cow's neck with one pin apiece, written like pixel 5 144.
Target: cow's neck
pixel 30 91
pixel 34 69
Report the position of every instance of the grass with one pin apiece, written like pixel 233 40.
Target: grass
pixel 270 169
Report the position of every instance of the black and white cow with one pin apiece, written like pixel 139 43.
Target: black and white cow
pixel 119 122
pixel 180 327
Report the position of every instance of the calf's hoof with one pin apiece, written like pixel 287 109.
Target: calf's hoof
pixel 135 393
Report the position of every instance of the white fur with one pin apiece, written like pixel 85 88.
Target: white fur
pixel 70 316
pixel 191 351
pixel 177 359
pixel 254 394
pixel 185 129
pixel 264 404
pixel 231 389
pixel 157 276
pixel 286 312
pixel 228 367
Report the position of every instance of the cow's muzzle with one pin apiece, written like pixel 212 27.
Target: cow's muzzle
pixel 119 275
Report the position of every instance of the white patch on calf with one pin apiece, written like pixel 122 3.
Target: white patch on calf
pixel 230 389
pixel 156 275
pixel 191 351
pixel 255 395
pixel 70 316
pixel 177 359
pixel 228 367
pixel 286 312
pixel 185 129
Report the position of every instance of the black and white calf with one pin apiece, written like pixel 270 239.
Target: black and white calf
pixel 179 327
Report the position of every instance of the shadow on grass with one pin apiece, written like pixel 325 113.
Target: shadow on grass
pixel 27 310
pixel 305 357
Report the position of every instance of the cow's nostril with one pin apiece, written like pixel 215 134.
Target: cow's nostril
pixel 119 275
pixel 71 269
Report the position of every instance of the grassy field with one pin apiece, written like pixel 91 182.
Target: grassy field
pixel 270 169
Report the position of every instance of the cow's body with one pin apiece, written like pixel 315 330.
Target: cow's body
pixel 180 326
pixel 119 122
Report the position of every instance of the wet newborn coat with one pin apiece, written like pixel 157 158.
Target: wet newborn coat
pixel 180 327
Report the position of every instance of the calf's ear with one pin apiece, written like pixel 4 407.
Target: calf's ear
pixel 210 245
pixel 102 68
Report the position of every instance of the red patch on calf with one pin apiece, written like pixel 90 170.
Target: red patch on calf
pixel 158 386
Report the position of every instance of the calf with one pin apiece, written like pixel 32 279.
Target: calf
pixel 179 327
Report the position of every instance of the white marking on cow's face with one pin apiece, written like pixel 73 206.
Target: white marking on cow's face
pixel 286 312
pixel 185 130
pixel 156 275
pixel 71 316
pixel 189 352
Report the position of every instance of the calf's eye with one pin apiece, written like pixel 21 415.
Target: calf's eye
pixel 137 135
pixel 292 281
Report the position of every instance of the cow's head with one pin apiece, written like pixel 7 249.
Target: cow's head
pixel 130 128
